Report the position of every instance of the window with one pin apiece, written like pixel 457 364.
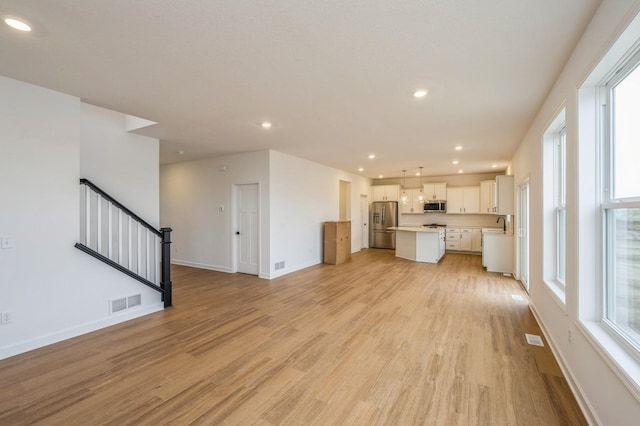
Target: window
pixel 555 206
pixel 620 203
pixel 560 203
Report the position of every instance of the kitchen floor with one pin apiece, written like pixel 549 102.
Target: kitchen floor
pixel 376 340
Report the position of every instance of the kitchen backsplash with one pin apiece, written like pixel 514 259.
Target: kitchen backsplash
pixel 483 220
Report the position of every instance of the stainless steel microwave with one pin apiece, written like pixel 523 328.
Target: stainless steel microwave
pixel 438 206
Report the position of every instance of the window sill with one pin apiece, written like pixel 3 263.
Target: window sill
pixel 624 366
pixel 558 293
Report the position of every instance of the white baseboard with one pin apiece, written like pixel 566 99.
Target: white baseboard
pixel 58 336
pixel 583 402
pixel 201 265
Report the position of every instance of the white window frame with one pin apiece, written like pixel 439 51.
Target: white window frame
pixel 560 203
pixel 554 204
pixel 608 203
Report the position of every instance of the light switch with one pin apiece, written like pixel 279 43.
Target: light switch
pixel 6 243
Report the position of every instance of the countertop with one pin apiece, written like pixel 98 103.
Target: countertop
pixel 416 228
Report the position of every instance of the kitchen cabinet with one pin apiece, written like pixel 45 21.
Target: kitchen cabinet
pixel 504 194
pixel 497 253
pixel 386 192
pixel 337 242
pixel 453 239
pixel 488 197
pixel 476 240
pixel 463 200
pixel 435 191
pixel 412 201
pixel 464 239
pixel 420 244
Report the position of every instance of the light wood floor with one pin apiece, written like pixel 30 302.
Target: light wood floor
pixel 378 340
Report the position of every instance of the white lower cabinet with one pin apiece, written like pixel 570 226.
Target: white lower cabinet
pixel 497 253
pixel 464 239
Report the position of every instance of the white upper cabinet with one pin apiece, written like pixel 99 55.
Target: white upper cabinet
pixel 435 191
pixel 386 193
pixel 488 197
pixel 412 201
pixel 504 194
pixel 463 200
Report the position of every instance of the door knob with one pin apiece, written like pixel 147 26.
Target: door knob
pixel 237 232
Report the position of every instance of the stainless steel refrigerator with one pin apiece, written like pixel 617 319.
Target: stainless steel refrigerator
pixel 384 214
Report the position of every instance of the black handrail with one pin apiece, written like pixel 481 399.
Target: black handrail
pixel 119 267
pixel 165 287
pixel 120 206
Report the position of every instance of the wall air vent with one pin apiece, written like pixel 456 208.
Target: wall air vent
pixel 135 300
pixel 117 305
pixel 124 303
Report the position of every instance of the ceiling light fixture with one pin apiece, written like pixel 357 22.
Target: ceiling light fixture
pixel 458 148
pixel 266 125
pixel 420 176
pixel 17 24
pixel 181 152
pixel 404 175
pixel 455 162
pixel 460 171
pixel 494 166
pixel 361 169
pixel 372 156
pixel 380 176
pixel 420 93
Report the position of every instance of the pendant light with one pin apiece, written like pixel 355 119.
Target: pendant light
pixel 404 187
pixel 421 187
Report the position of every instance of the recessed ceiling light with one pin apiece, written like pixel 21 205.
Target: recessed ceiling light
pixel 181 152
pixel 372 156
pixel 266 125
pixel 380 176
pixel 417 173
pixel 458 148
pixel 460 171
pixel 420 93
pixel 361 169
pixel 17 24
pixel 494 166
pixel 455 162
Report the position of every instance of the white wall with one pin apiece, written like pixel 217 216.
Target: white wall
pixel 607 396
pixel 123 164
pixel 193 193
pixel 53 290
pixel 303 196
pixel 296 197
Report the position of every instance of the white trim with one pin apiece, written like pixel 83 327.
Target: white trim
pixel 618 359
pixel 201 265
pixel 68 333
pixel 586 407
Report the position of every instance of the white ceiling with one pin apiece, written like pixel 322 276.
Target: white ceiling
pixel 335 77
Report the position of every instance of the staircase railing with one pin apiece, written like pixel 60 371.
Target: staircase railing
pixel 118 237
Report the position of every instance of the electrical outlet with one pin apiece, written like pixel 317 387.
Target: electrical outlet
pixel 6 318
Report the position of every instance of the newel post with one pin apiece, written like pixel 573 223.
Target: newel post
pixel 165 279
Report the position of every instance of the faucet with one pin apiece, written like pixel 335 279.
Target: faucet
pixel 504 223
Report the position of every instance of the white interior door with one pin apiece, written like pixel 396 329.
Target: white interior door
pixel 364 220
pixel 523 234
pixel 247 232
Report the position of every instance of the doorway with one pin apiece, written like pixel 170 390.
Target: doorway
pixel 345 200
pixel 364 220
pixel 523 233
pixel 247 232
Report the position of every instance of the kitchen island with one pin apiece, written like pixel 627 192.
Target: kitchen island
pixel 420 243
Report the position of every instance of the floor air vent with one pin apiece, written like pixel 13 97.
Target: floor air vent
pixel 124 303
